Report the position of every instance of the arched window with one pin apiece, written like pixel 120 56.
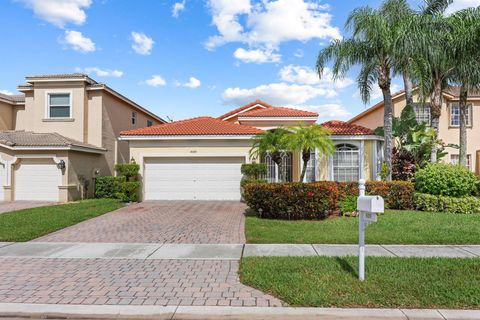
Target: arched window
pixel 273 174
pixel 346 163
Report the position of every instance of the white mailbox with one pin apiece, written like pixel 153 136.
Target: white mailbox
pixel 370 204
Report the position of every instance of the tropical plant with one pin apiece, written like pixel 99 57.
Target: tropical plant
pixel 273 143
pixel 307 138
pixel 372 47
pixel 466 38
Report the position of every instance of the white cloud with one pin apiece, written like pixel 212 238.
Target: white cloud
pixel 306 75
pixel 142 44
pixel 256 56
pixel 269 23
pixel 78 41
pixel 60 12
pixel 156 81
pixel 177 8
pixel 101 72
pixel 462 4
pixel 192 83
pixel 276 93
pixel 326 111
pixel 6 92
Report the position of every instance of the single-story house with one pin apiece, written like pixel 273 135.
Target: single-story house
pixel 200 158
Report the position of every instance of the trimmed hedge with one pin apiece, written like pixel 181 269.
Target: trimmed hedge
pixel 433 203
pixel 446 180
pixel 398 195
pixel 108 187
pixel 292 201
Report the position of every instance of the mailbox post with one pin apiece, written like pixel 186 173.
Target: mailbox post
pixel 368 207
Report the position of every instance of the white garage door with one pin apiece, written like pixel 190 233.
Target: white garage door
pixel 2 181
pixel 193 178
pixel 37 180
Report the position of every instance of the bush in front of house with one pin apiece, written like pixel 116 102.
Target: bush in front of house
pixel 446 180
pixel 348 205
pixel 398 195
pixel 124 187
pixel 108 187
pixel 292 201
pixel 434 203
pixel 253 173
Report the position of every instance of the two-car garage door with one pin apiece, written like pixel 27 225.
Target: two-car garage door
pixel 192 178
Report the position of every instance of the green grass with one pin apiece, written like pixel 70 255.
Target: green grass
pixel 28 224
pixel 393 227
pixel 390 282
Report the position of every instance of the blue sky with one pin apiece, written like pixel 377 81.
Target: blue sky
pixel 187 58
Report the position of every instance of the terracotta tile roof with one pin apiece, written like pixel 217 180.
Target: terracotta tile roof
pixel 278 112
pixel 251 104
pixel 455 91
pixel 194 126
pixel 34 139
pixel 342 128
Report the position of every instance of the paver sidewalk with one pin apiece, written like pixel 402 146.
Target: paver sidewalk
pixel 152 251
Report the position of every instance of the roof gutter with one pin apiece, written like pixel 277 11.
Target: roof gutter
pixel 60 148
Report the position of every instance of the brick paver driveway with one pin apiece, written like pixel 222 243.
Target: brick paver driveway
pixel 137 282
pixel 162 222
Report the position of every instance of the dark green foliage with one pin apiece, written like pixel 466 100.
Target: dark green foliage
pixel 462 205
pixel 128 170
pixel 108 187
pixel 254 170
pixel 348 204
pixel 446 180
pixel 292 201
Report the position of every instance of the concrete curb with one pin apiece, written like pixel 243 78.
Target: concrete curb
pixel 232 313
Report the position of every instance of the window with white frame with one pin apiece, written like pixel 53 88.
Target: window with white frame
pixel 455 159
pixel 455 115
pixel 59 105
pixel 310 174
pixel 273 172
pixel 134 118
pixel 422 113
pixel 346 163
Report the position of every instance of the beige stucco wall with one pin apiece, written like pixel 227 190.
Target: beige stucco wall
pixel 6 116
pixel 448 134
pixel 32 117
pixel 81 167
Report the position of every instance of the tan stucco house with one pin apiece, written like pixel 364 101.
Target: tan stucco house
pixel 449 121
pixel 200 158
pixel 60 134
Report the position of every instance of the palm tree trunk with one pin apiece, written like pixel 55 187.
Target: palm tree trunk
pixel 408 86
pixel 305 158
pixel 387 125
pixel 463 125
pixel 435 113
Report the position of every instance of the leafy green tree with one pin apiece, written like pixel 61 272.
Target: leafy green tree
pixel 272 142
pixel 307 138
pixel 372 47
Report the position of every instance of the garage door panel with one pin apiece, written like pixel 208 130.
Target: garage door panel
pixel 193 178
pixel 2 181
pixel 37 180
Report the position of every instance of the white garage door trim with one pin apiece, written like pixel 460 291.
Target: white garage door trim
pixel 37 179
pixel 197 177
pixel 3 173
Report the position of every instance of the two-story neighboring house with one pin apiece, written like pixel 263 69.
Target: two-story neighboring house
pixel 60 134
pixel 449 122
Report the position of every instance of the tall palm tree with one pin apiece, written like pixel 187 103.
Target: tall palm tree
pixel 372 47
pixel 466 37
pixel 272 142
pixel 427 39
pixel 304 139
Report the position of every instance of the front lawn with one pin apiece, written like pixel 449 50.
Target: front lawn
pixel 393 227
pixel 28 224
pixel 390 282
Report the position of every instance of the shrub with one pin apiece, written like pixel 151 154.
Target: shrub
pixel 397 194
pixel 128 170
pixel 446 180
pixel 433 203
pixel 108 187
pixel 292 201
pixel 403 165
pixel 254 170
pixel 129 191
pixel 348 205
